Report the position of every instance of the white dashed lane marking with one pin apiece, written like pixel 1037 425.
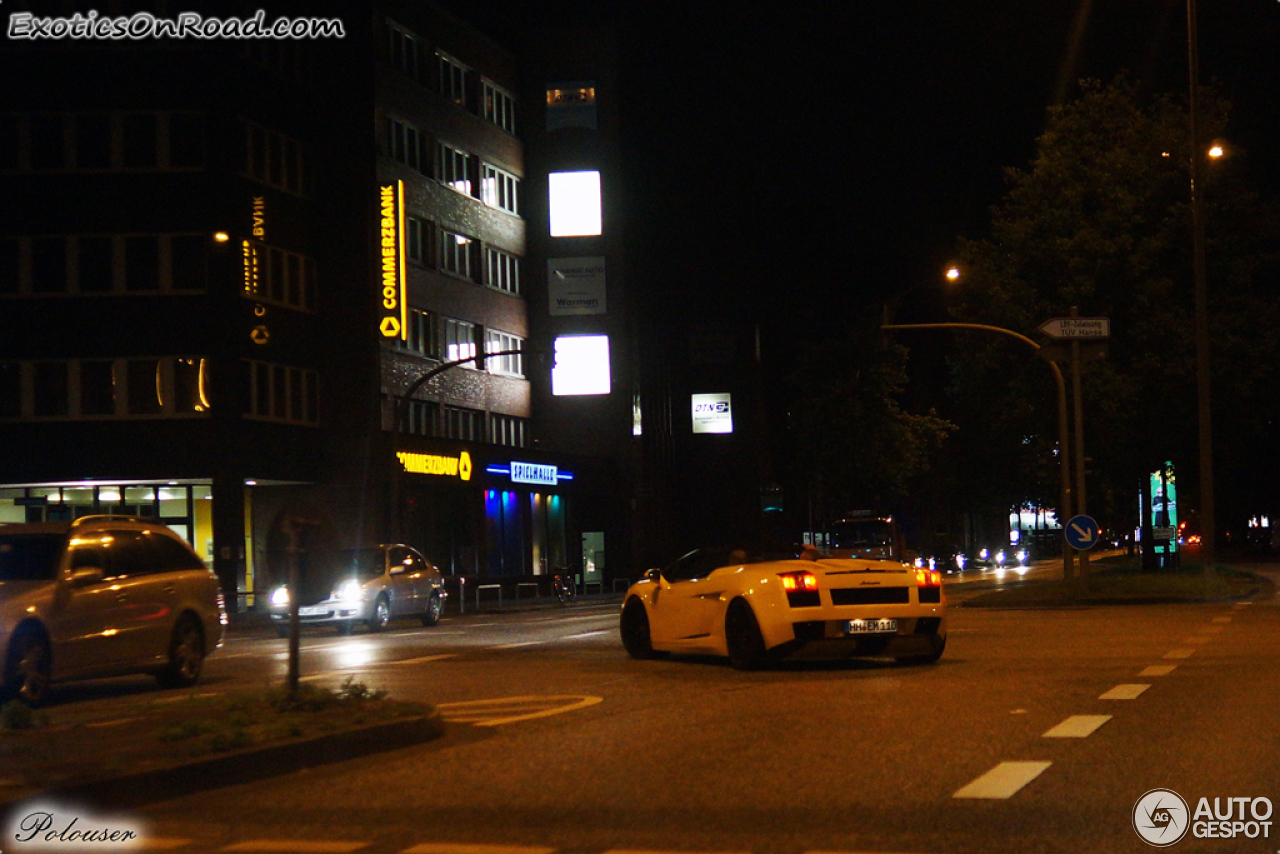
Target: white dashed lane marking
pixel 1159 670
pixel 1180 653
pixel 1077 726
pixel 1124 692
pixel 1003 781
pixel 1222 619
pixel 424 659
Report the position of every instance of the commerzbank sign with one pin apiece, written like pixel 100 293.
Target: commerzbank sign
pixel 439 465
pixel 392 312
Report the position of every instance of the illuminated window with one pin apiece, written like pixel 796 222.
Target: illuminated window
pixel 502 270
pixel 513 364
pixel 499 107
pixel 459 340
pixel 454 168
pixel 499 189
pixel 451 79
pixel 420 417
pixel 581 365
pixel 404 145
pixel 571 104
pixel 575 203
pixel 457 254
pixel 105 388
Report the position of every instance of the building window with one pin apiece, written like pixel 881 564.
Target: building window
pixel 502 270
pixel 167 386
pixel 575 203
pixel 102 264
pixel 499 107
pixel 456 254
pixel 464 424
pixel 452 79
pixel 418 240
pixel 405 50
pixel 421 334
pixel 454 169
pixel 283 393
pixel 459 340
pixel 512 364
pixel 281 277
pixel 499 189
pixel 507 430
pixel 275 160
pixel 420 417
pixel 404 145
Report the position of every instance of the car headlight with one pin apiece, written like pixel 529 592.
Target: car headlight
pixel 959 561
pixel 984 554
pixel 280 597
pixel 350 591
pixel 1022 555
pixel 1000 556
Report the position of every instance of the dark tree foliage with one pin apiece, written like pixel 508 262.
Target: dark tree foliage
pixel 1101 220
pixel 850 436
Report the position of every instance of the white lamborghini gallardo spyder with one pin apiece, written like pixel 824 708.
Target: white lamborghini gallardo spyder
pixel 757 607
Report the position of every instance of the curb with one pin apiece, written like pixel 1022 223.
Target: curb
pixel 248 765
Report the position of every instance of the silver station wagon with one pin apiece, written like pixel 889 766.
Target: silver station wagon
pixel 370 587
pixel 102 596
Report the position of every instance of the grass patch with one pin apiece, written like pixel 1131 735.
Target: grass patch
pixel 1122 581
pixel 215 724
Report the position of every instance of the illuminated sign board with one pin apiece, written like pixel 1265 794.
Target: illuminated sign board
pixel 575 203
pixel 392 311
pixel 581 365
pixel 571 104
pixel 537 474
pixel 712 413
pixel 576 286
pixel 436 464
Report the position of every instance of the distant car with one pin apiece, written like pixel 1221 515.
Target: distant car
pixel 350 587
pixel 754 607
pixel 949 560
pixel 102 596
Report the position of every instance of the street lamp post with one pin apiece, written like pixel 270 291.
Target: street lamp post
pixel 1064 465
pixel 402 406
pixel 1208 538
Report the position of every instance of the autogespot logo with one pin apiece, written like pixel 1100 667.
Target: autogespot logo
pixel 1161 817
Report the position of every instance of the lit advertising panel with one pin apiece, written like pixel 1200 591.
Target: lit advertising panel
pixel 581 365
pixel 712 413
pixel 575 204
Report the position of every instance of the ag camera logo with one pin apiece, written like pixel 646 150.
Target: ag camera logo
pixel 1160 818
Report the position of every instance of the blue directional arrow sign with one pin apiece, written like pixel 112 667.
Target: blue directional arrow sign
pixel 1081 532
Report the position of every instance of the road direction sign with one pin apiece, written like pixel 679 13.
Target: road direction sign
pixel 1081 532
pixel 1077 327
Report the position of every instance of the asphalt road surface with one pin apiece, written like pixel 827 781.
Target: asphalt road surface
pixel 1039 730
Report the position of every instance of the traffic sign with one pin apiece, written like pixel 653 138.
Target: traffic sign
pixel 1077 327
pixel 1081 532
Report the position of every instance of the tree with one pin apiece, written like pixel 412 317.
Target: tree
pixel 850 436
pixel 1100 220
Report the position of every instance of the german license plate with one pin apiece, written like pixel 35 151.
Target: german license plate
pixel 870 627
pixel 313 611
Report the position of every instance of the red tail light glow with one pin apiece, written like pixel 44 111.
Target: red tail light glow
pixel 802 580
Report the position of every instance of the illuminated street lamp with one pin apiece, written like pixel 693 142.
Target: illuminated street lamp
pixel 953 274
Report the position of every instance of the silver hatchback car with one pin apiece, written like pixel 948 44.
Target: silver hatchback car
pixel 349 587
pixel 102 596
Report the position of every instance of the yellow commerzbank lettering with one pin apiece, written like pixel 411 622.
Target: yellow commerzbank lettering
pixel 459 466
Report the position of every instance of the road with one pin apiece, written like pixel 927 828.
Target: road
pixel 1038 731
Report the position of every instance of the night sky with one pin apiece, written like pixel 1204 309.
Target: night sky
pixel 810 157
